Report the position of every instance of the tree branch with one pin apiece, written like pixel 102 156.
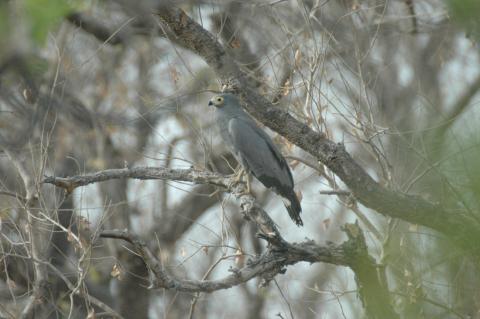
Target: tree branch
pixel 143 173
pixel 352 253
pixel 367 191
pixel 38 234
pixel 247 202
pixel 269 264
pixel 96 28
pixel 411 208
pixel 375 297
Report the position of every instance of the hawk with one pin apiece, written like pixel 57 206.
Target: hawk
pixel 255 151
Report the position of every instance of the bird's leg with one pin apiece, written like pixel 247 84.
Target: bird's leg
pixel 238 176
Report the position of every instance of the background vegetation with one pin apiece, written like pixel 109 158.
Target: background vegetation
pixel 116 195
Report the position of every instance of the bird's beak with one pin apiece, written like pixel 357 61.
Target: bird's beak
pixel 210 103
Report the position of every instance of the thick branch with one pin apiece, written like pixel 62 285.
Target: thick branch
pixel 414 209
pixel 375 297
pixel 144 173
pixel 352 253
pixel 96 28
pixel 269 264
pixel 410 208
pixel 247 202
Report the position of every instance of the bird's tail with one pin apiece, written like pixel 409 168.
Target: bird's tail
pixel 293 207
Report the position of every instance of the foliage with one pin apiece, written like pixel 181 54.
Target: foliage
pixel 465 12
pixel 44 15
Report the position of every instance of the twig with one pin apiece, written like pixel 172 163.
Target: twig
pixel 336 192
pixel 37 233
pixel 266 266
pixel 21 199
pixel 352 253
pixel 247 202
pixel 91 299
pixel 366 190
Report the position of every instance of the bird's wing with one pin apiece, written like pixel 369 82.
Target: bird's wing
pixel 260 155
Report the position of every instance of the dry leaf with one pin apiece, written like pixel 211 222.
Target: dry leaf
pixel 28 95
pixel 239 258
pixel 70 236
pixel 298 56
pixel 326 223
pixel 174 74
pixel 117 272
pixel 286 88
pixel 205 250
pixel 11 284
pixel 355 5
pixel 235 43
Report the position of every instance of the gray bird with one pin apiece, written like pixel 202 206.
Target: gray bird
pixel 255 151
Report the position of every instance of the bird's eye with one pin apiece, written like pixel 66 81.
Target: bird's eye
pixel 219 99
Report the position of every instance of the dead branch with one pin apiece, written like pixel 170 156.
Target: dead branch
pixel 247 202
pixel 410 208
pixel 38 234
pixel 268 265
pixel 352 253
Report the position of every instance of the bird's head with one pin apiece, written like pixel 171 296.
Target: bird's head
pixel 222 100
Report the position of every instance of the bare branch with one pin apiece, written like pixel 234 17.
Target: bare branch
pixel 336 192
pixel 17 196
pixel 352 253
pixel 38 234
pixel 82 292
pixel 96 28
pixel 366 190
pixel 143 173
pixel 247 202
pixel 266 266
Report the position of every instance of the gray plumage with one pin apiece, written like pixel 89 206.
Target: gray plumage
pixel 255 151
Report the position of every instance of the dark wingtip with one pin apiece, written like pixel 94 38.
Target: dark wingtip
pixel 294 209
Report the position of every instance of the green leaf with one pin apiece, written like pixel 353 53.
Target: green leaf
pixel 466 14
pixel 3 27
pixel 43 15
